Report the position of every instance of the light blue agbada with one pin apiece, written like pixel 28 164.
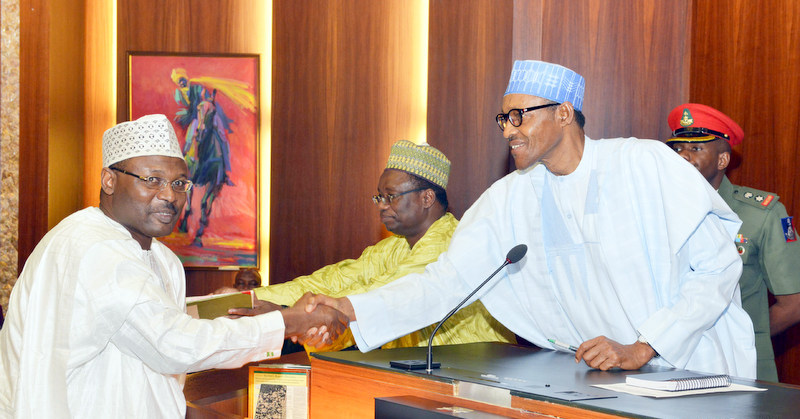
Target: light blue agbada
pixel 634 241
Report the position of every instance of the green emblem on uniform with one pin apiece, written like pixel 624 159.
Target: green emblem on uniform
pixel 686 120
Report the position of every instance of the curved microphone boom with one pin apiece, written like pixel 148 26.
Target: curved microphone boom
pixel 513 256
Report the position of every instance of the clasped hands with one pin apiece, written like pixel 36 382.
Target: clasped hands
pixel 314 320
pixel 317 319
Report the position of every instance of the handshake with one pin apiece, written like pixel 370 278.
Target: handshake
pixel 315 319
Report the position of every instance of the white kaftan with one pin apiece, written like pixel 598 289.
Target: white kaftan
pixel 634 241
pixel 97 329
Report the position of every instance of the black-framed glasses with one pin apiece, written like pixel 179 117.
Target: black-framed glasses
pixel 515 115
pixel 387 199
pixel 153 182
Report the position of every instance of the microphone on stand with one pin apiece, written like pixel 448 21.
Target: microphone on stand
pixel 513 256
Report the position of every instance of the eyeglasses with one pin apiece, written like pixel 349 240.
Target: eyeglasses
pixel 387 199
pixel 515 115
pixel 152 182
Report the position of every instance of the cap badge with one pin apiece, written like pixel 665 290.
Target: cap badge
pixel 686 119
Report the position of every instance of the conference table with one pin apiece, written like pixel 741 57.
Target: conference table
pixel 502 380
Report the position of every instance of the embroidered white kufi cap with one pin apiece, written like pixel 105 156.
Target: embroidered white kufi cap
pixel 150 135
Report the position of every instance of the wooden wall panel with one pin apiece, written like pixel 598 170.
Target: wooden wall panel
pixel 34 112
pixel 66 103
pixel 634 55
pixel 749 71
pixel 745 63
pixel 340 99
pixel 469 63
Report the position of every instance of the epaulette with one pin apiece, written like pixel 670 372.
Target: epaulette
pixel 755 197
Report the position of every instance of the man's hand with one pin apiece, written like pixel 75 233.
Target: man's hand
pixel 342 304
pixel 259 307
pixel 317 327
pixel 603 353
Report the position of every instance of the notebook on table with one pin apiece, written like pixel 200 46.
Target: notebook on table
pixel 678 380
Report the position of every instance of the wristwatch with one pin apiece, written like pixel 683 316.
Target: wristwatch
pixel 642 339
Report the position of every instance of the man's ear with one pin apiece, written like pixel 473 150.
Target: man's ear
pixel 723 160
pixel 428 198
pixel 565 113
pixel 108 181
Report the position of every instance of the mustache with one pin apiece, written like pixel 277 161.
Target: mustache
pixel 168 207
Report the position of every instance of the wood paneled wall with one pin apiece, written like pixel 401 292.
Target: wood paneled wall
pixel 745 62
pixel 468 67
pixel 340 85
pixel 634 55
pixel 33 125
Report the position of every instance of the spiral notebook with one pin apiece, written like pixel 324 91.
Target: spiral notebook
pixel 678 380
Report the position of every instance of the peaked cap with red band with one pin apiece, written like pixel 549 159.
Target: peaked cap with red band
pixel 696 123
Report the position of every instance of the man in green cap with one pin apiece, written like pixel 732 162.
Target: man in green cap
pixel 413 205
pixel 766 241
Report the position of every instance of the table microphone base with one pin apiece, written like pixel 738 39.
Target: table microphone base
pixel 413 364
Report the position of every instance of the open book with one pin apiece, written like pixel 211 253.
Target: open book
pixel 678 380
pixel 216 305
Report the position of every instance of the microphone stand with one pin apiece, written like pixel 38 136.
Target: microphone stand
pixel 429 365
pixel 514 255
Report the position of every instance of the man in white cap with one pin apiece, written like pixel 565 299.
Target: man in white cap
pixel 628 264
pixel 97 325
pixel 412 201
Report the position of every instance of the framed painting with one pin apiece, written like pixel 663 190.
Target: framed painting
pixel 212 101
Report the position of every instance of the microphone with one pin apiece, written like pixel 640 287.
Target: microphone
pixel 513 256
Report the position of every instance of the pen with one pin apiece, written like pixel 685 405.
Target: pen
pixel 563 345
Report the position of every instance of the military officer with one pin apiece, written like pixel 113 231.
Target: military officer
pixel 767 239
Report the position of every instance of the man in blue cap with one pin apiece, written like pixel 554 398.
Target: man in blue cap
pixel 766 241
pixel 628 264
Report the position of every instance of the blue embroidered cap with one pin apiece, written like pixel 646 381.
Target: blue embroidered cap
pixel 548 81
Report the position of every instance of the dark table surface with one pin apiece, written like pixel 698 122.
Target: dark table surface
pixel 552 376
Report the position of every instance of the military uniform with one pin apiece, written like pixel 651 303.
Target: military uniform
pixel 771 261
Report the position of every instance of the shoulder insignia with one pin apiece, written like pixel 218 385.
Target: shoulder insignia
pixel 755 197
pixel 788 229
